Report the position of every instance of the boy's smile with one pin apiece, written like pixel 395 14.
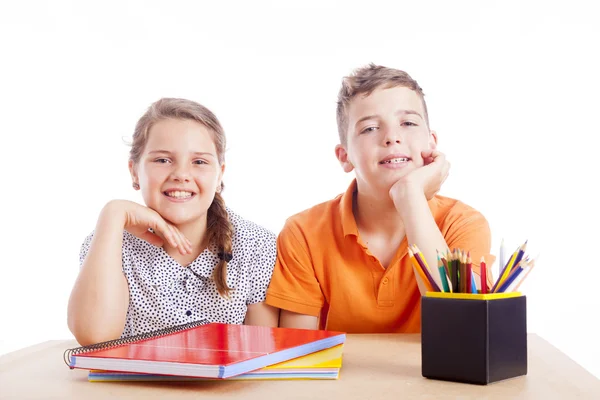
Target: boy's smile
pixel 386 134
pixel 395 161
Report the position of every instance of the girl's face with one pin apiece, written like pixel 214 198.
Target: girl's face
pixel 179 170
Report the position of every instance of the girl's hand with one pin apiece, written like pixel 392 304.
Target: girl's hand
pixel 139 219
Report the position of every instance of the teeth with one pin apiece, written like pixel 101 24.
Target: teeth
pixel 395 160
pixel 179 195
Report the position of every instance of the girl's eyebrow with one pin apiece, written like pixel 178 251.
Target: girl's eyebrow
pixel 195 153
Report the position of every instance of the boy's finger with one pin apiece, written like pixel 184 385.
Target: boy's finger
pixel 431 153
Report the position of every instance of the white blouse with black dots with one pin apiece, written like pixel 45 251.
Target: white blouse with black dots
pixel 163 294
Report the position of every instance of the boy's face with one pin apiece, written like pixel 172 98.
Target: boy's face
pixel 179 171
pixel 386 134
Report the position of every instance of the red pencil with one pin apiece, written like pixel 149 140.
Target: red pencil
pixel 469 272
pixel 483 274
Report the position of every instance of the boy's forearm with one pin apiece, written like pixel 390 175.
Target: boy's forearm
pixel 289 319
pixel 100 297
pixel 421 228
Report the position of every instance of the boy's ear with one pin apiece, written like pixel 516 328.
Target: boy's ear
pixel 433 140
pixel 342 156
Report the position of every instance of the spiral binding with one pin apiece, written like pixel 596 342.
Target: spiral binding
pixel 130 339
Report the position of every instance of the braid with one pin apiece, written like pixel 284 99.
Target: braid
pixel 220 232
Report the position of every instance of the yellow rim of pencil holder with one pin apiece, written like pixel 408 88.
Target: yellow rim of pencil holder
pixel 473 296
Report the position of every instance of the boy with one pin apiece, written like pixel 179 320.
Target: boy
pixel 343 265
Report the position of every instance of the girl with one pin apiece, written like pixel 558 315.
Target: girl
pixel 182 257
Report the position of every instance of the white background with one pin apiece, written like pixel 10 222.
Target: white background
pixel 512 89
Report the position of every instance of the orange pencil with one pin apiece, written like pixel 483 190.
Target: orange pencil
pixel 423 263
pixel 422 280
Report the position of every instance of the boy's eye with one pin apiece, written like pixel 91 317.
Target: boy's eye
pixel 199 162
pixel 408 123
pixel 162 160
pixel 369 129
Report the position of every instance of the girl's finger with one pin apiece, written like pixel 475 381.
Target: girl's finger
pixel 168 233
pixel 185 246
pixel 178 239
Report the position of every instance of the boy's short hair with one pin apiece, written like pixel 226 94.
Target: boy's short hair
pixel 364 81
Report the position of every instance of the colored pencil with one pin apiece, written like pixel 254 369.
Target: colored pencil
pixel 421 260
pixel 419 273
pixel 505 271
pixel 469 271
pixel 442 274
pixel 483 275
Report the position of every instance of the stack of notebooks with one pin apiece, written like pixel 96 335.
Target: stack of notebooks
pixel 202 350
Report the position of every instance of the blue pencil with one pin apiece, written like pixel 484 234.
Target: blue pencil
pixel 473 284
pixel 510 279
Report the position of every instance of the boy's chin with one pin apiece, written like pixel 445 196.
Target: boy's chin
pixel 385 183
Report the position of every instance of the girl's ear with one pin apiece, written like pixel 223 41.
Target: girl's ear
pixel 342 156
pixel 220 180
pixel 134 175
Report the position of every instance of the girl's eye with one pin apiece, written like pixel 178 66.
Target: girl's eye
pixel 200 162
pixel 369 129
pixel 408 123
pixel 162 160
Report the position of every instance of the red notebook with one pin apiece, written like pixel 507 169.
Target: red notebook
pixel 203 349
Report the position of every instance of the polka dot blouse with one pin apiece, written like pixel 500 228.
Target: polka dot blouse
pixel 162 293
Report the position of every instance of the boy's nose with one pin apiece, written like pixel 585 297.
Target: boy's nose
pixel 392 137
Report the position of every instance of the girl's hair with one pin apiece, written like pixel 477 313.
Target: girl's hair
pixel 219 229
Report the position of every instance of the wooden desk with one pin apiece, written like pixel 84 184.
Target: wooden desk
pixel 374 367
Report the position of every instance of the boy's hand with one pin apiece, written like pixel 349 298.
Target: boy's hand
pixel 138 219
pixel 426 180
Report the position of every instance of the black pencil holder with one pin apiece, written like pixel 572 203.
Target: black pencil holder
pixel 473 338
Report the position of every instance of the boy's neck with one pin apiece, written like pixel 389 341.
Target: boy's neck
pixel 376 213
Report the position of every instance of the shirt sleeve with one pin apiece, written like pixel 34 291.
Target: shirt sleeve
pixel 263 262
pixel 294 285
pixel 85 248
pixel 467 229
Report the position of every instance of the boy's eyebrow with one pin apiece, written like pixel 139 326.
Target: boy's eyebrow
pixel 375 116
pixel 196 153
pixel 409 112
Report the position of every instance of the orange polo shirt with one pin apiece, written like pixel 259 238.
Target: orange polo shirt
pixel 323 268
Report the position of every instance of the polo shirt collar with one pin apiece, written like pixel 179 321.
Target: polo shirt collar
pixel 348 221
